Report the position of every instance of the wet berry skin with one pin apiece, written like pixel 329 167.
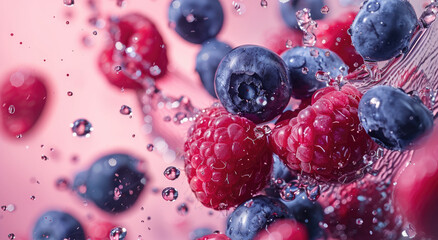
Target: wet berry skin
pixel 113 182
pixel 227 159
pixel 55 225
pixel 280 172
pixel 196 21
pixel 303 67
pixel 255 215
pixel 285 229
pixel 325 141
pixel 208 60
pixel 290 7
pixel 23 95
pixel 252 81
pixel 136 51
pixel 309 213
pixel 214 236
pixel 382 29
pixel 394 119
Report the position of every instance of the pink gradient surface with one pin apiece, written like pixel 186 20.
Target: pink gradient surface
pixel 43 41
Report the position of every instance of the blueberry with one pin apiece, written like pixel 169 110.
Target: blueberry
pixel 382 29
pixel 309 213
pixel 279 171
pixel 254 215
pixel 55 225
pixel 208 60
pixel 196 20
pixel 392 118
pixel 303 64
pixel 252 81
pixel 113 182
pixel 288 9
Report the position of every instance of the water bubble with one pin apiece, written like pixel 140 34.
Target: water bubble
pixel 150 147
pixel 304 70
pixel 125 110
pixel 11 236
pixel 289 43
pixel 69 93
pixel 325 9
pixel 117 193
pixel 69 3
pixel 182 209
pixel 44 157
pixel 118 69
pixel 171 173
pixel 155 70
pixel 313 192
pixel 11 109
pixel 264 3
pixel 81 128
pixel 359 221
pixel 288 192
pixel 32 197
pixel 169 194
pixel 62 184
pixel 373 6
pixel 118 233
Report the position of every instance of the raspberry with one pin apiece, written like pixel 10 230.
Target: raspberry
pixel 214 236
pixel 227 159
pixel 137 51
pixel 325 141
pixel 285 229
pixel 362 211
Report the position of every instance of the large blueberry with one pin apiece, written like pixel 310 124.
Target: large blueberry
pixel 254 215
pixel 208 60
pixel 289 8
pixel 309 213
pixel 252 81
pixel 196 20
pixel 56 225
pixel 113 182
pixel 392 118
pixel 382 29
pixel 305 62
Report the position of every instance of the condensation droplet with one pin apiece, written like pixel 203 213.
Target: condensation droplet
pixel 325 9
pixel 118 233
pixel 171 173
pixel 125 110
pixel 117 193
pixel 359 221
pixel 150 147
pixel 81 128
pixel 169 194
pixel 304 70
pixel 69 3
pixel 11 109
pixel 182 209
pixel 264 3
pixel 11 236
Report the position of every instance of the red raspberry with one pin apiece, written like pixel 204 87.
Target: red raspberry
pixel 23 96
pixel 279 42
pixel 325 140
pixel 286 229
pixel 362 211
pixel 215 236
pixel 416 192
pixel 334 36
pixel 227 159
pixel 137 51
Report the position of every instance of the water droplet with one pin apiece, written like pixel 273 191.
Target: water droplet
pixel 11 109
pixel 125 110
pixel 118 233
pixel 67 22
pixel 32 197
pixel 289 43
pixel 169 194
pixel 167 119
pixel 182 209
pixel 62 184
pixel 314 52
pixel 44 157
pixel 121 3
pixel 359 221
pixel 10 208
pixel 262 100
pixel 313 192
pixel 264 3
pixel 11 236
pixel 429 14
pixel 190 18
pixel 69 3
pixel 239 7
pixel 95 33
pixel 304 70
pixel 3 208
pixel 309 39
pixel 322 76
pixel 117 193
pixel 373 6
pixel 155 70
pixel 249 203
pixel 288 192
pixel 81 128
pixel 171 173
pixel 325 9
pixel 69 93
pixel 409 231
pixel 150 147
pixel 117 68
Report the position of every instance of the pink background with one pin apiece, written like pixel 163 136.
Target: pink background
pixel 42 29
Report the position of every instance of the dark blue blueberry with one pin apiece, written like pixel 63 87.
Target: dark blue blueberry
pixel 303 64
pixel 254 215
pixel 392 118
pixel 196 20
pixel 252 81
pixel 382 29
pixel 56 225
pixel 279 171
pixel 289 8
pixel 309 213
pixel 208 60
pixel 113 182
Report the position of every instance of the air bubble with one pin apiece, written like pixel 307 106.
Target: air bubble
pixel 171 173
pixel 264 3
pixel 182 209
pixel 69 3
pixel 118 233
pixel 81 128
pixel 325 9
pixel 125 110
pixel 169 194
